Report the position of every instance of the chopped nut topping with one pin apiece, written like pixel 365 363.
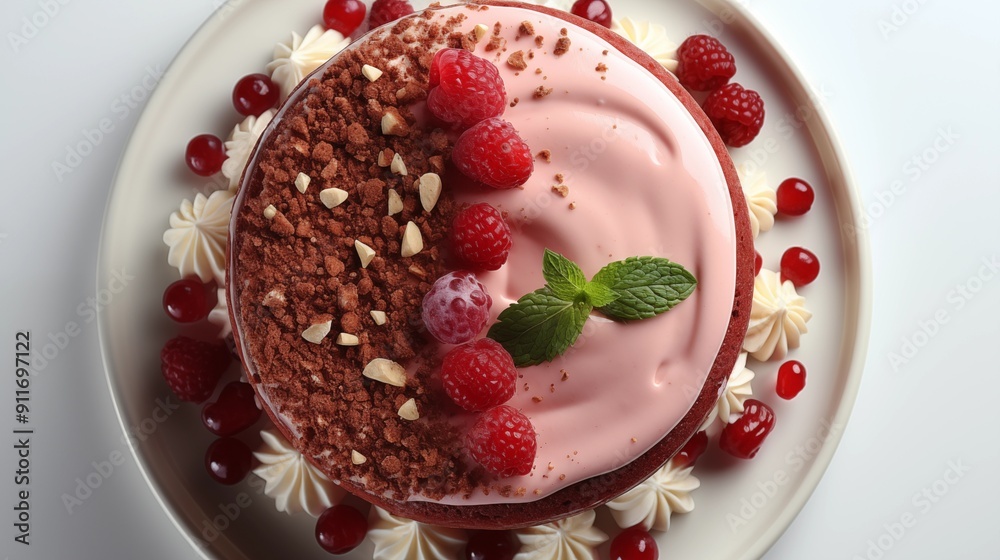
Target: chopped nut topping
pixel 385 157
pixel 418 272
pixel 393 123
pixel 379 317
pixel 371 72
pixel 517 61
pixel 560 178
pixel 413 242
pixel 302 182
pixel 480 31
pixel 365 253
pixel 561 190
pixel 346 339
pixel 395 202
pixel 409 410
pixel 398 166
pixel 430 190
pixel 270 212
pixel 317 332
pixel 332 198
pixel 357 458
pixel 274 298
pixel 385 371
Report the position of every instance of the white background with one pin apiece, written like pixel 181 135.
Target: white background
pixel 904 76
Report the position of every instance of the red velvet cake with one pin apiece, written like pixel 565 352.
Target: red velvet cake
pixel 343 223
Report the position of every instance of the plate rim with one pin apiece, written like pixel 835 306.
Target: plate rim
pixel 848 209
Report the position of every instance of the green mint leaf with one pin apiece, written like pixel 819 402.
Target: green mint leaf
pixel 646 287
pixel 563 276
pixel 600 295
pixel 539 327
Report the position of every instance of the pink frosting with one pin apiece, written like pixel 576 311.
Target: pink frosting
pixel 643 180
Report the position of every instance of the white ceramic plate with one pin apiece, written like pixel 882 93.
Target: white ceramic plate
pixel 742 507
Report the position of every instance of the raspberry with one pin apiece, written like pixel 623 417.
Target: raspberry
pixel 503 441
pixel 464 88
pixel 737 113
pixel 456 308
pixel 479 375
pixel 492 153
pixel 744 437
pixel 384 11
pixel 481 237
pixel 703 63
pixel 192 368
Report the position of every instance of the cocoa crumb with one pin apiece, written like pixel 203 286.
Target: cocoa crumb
pixel 560 177
pixel 541 92
pixel 495 43
pixel 539 41
pixel 561 190
pixel 515 101
pixel 572 206
pixel 525 30
pixel 545 155
pixel 605 52
pixel 601 67
pixel 565 374
pixel 516 61
pixel 562 46
pixel 536 399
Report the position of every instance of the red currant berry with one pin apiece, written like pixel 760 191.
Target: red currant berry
pixel 234 412
pixel 456 308
pixel 597 11
pixel 795 197
pixel 691 450
pixel 228 460
pixel 758 263
pixel 791 379
pixel 744 437
pixel 799 265
pixel 186 300
pixel 634 543
pixel 344 16
pixel 254 94
pixel 492 545
pixel 341 529
pixel 204 155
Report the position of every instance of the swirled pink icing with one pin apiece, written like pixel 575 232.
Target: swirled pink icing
pixel 642 179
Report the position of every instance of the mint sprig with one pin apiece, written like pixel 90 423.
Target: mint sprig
pixel 546 322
